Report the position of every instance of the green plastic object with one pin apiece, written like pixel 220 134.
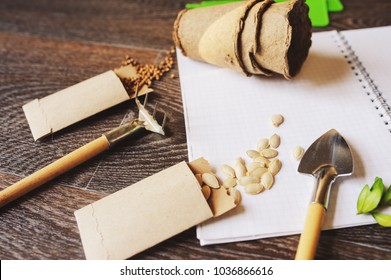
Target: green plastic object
pixel 334 6
pixel 319 14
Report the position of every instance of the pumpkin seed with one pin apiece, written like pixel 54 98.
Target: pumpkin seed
pixel 228 170
pixel 251 166
pixel 263 162
pixel 240 169
pixel 263 144
pixel 252 154
pixel 199 178
pixel 254 188
pixel 239 159
pixel 275 166
pixel 235 194
pixel 258 172
pixel 275 141
pixel 267 180
pixel 229 182
pixel 297 152
pixel 269 153
pixel 277 120
pixel 206 191
pixel 247 180
pixel 211 180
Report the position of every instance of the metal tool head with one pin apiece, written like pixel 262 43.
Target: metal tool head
pixel 148 120
pixel 330 149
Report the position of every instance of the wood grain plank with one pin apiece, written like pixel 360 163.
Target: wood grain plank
pixel 361 14
pixel 46 47
pixel 141 24
pixel 55 65
pixel 130 23
pixel 42 225
pixel 351 243
pixel 148 153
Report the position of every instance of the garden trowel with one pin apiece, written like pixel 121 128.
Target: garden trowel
pixel 326 159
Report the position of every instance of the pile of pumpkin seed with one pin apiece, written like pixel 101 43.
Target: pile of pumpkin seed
pixel 257 175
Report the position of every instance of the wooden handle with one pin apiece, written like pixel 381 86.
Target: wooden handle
pixel 310 236
pixel 53 170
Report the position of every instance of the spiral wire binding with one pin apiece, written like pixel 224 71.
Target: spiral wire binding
pixel 370 88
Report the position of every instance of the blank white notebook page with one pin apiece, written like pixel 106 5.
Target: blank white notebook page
pixel 226 113
pixel 372 47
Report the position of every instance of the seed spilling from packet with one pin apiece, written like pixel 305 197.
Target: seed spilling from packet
pixel 209 181
pixel 147 73
pixel 257 175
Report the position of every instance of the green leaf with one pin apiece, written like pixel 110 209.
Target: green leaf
pixel 382 219
pixel 362 198
pixel 369 199
pixel 386 199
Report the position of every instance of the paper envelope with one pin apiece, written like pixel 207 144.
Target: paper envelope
pixel 80 101
pixel 149 212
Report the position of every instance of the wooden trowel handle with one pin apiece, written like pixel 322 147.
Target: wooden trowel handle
pixel 53 170
pixel 310 236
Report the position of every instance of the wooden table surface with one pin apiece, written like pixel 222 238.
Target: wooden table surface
pixel 46 46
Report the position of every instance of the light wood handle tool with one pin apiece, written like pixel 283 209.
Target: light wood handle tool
pixel 84 153
pixel 315 214
pixel 310 236
pixel 326 159
pixel 53 170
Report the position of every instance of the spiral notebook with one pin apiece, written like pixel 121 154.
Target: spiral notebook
pixel 344 84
